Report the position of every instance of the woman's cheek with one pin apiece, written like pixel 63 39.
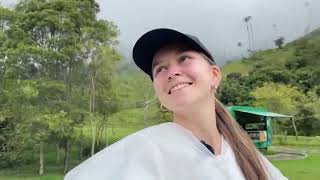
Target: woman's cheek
pixel 157 87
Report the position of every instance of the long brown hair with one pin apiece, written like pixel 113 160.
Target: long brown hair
pixel 244 150
pixel 241 144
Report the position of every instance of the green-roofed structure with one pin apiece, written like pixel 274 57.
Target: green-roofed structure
pixel 257 122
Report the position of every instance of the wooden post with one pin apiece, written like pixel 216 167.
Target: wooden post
pixel 285 136
pixel 41 168
pixel 295 128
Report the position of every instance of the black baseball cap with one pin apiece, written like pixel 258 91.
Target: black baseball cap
pixel 149 43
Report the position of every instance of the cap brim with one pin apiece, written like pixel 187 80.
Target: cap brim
pixel 148 44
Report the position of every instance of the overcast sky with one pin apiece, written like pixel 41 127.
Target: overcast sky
pixel 217 23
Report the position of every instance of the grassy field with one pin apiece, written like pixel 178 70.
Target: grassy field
pixel 291 141
pixel 236 66
pixel 29 172
pixel 33 177
pixel 307 168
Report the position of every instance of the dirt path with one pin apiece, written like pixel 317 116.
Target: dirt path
pixel 289 153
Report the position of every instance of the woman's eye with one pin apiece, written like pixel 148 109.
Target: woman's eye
pixel 159 69
pixel 183 58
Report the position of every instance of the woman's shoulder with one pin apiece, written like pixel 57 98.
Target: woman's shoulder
pixel 119 154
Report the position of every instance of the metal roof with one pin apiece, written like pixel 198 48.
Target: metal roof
pixel 257 111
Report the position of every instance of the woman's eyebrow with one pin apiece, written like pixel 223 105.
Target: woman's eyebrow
pixel 155 63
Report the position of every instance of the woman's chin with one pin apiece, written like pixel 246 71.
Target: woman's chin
pixel 182 105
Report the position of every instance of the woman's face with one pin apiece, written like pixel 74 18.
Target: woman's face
pixel 182 78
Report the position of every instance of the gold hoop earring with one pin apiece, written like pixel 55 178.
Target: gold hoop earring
pixel 163 109
pixel 214 89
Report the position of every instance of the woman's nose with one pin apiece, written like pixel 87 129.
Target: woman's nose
pixel 174 70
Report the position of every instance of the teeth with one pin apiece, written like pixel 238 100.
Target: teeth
pixel 179 86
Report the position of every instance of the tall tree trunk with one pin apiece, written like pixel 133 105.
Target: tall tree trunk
pixel 252 42
pixel 58 152
pixel 100 133
pixel 92 123
pixel 98 130
pixel 81 146
pixel 41 159
pixel 248 36
pixel 66 156
pixel 93 134
pixel 106 129
pixel 80 151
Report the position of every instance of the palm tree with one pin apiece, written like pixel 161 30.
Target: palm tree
pixel 239 44
pixel 309 10
pixel 275 28
pixel 252 42
pixel 246 20
pixel 279 42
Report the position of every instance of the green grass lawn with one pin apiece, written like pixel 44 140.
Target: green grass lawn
pixel 33 177
pixel 308 168
pixel 53 171
pixel 236 66
pixel 291 141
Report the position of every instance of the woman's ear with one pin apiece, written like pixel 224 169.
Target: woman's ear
pixel 216 74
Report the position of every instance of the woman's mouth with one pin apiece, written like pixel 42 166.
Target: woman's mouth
pixel 179 86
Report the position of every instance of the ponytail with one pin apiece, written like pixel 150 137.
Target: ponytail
pixel 244 150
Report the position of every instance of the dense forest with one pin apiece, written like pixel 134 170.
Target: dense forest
pixel 56 61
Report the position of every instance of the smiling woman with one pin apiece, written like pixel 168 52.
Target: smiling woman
pixel 202 142
pixel 184 73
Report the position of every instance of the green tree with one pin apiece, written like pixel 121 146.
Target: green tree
pixel 279 98
pixel 279 42
pixel 47 51
pixel 247 21
pixel 308 117
pixel 234 90
pixel 99 87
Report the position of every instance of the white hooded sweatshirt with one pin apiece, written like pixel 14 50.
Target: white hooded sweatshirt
pixel 163 152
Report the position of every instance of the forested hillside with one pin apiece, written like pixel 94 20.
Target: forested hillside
pixel 285 80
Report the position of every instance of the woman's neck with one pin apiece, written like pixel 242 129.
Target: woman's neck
pixel 201 121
